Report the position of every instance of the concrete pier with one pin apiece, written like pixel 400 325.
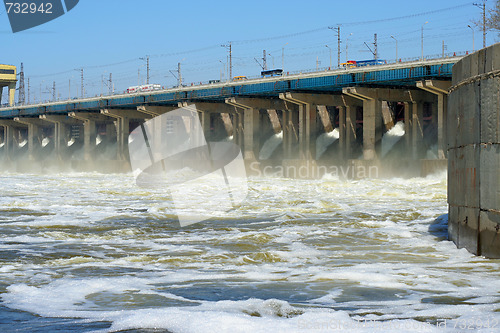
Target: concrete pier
pixel 474 153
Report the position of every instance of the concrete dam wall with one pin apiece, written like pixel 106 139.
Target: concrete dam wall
pixel 474 153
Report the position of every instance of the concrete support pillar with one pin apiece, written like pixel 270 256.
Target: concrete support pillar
pixel 34 135
pixel 206 118
pixel 275 121
pixel 238 128
pixel 228 124
pixel 372 119
pixel 441 89
pixel 290 133
pixel 89 131
pixel 110 132
pixel 89 139
pixel 12 93
pixel 61 132
pixel 251 132
pixel 387 116
pixel 372 110
pixel 307 131
pixel 325 118
pixel 122 133
pixel 243 104
pixel 7 140
pixel 123 117
pixel 10 137
pixel 350 130
pixel 248 116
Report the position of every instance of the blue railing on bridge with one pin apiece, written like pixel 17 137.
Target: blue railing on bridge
pixel 402 75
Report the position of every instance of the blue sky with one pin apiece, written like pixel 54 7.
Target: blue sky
pixel 109 36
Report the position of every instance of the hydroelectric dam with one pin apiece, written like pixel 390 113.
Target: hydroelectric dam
pixel 383 120
pixel 368 121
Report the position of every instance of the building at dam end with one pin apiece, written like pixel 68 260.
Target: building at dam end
pixel 8 79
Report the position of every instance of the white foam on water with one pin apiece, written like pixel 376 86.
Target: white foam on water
pixel 71 142
pixel 298 254
pixel 2 144
pixel 77 299
pixel 325 140
pixel 270 146
pixel 98 140
pixel 392 136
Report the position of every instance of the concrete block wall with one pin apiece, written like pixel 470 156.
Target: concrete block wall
pixel 474 153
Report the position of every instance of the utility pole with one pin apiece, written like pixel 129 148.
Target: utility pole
pixel 422 40
pixel 83 89
pixel 69 89
pixel 54 91
pixel 147 67
pixel 396 47
pixel 338 42
pixel 338 45
pixel 179 74
pixel 110 87
pixel 375 52
pixel 29 91
pixel 483 8
pixel 264 60
pixel 22 99
pixel 229 47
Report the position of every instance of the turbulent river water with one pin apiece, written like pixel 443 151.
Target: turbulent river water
pixel 95 253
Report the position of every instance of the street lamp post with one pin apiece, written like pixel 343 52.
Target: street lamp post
pixel 423 40
pixel 269 54
pixel 223 72
pixel 283 57
pixel 396 47
pixel 473 47
pixel 347 47
pixel 330 49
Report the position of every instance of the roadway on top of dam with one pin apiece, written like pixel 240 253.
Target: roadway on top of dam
pixel 395 75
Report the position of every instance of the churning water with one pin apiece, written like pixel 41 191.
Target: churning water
pixel 92 252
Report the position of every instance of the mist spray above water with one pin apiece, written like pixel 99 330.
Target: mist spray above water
pixel 270 146
pixel 325 140
pixel 392 136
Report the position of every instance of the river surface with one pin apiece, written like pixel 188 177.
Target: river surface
pixel 89 252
